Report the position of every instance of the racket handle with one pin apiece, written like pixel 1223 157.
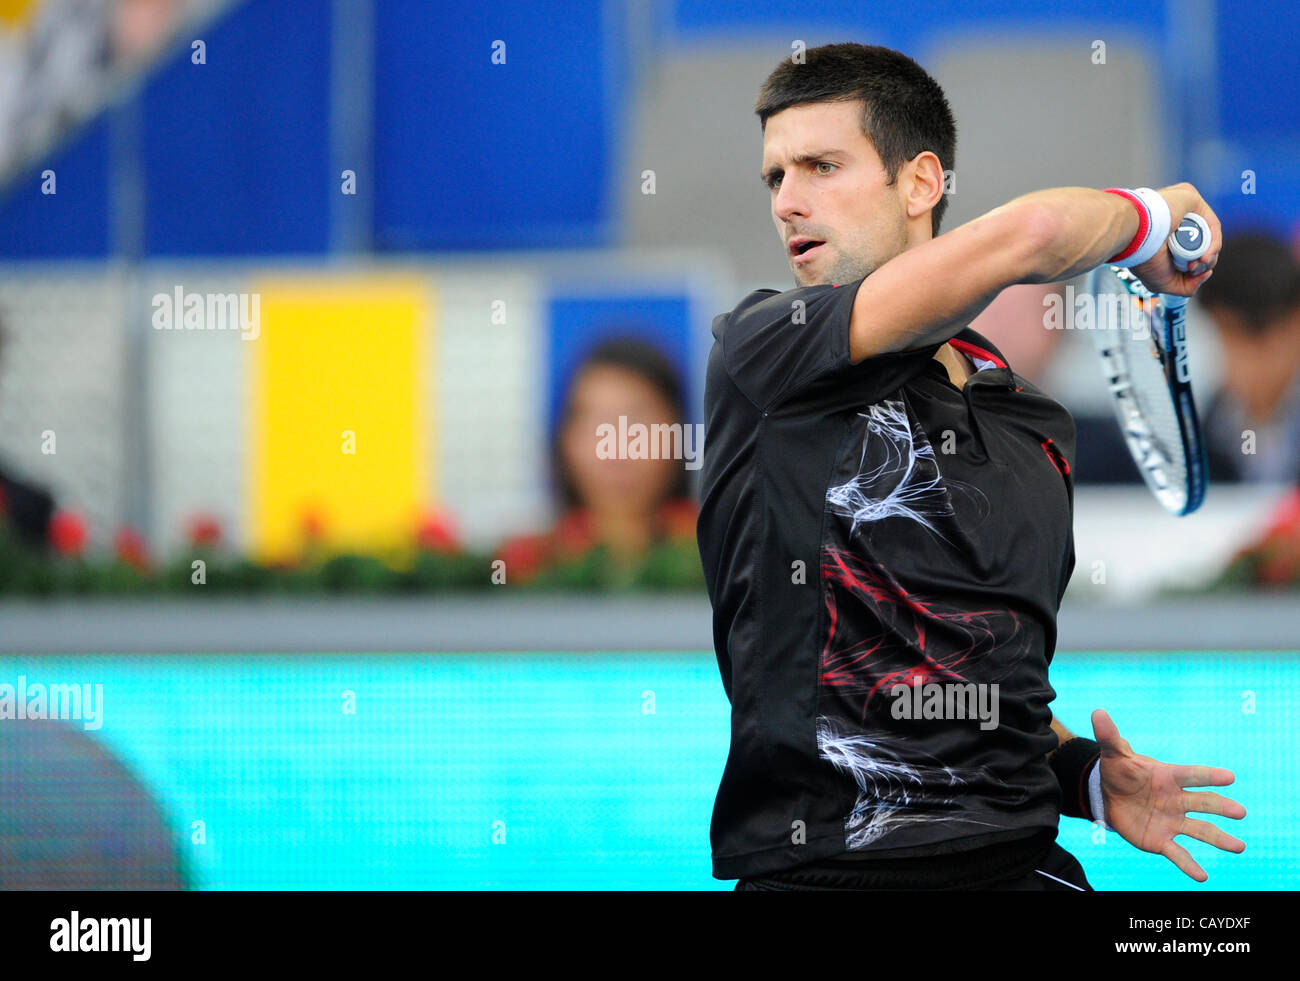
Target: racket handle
pixel 1189 241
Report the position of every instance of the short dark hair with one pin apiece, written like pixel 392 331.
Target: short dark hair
pixel 904 110
pixel 628 351
pixel 1257 278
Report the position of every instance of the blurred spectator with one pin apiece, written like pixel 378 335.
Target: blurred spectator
pixel 1252 426
pixel 626 505
pixel 26 509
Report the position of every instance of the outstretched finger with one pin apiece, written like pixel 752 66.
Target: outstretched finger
pixel 1208 833
pixel 1178 855
pixel 1106 732
pixel 1195 775
pixel 1204 803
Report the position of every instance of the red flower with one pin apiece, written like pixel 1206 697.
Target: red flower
pixel 678 518
pixel 313 524
pixel 1281 567
pixel 204 531
pixel 68 533
pixel 1278 549
pixel 573 534
pixel 437 533
pixel 131 549
pixel 524 557
pixel 1286 519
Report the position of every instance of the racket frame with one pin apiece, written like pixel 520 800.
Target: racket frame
pixel 1168 320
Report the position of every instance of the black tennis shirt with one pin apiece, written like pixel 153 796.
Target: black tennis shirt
pixel 864 527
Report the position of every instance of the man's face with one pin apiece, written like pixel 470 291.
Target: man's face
pixel 1257 365
pixel 828 186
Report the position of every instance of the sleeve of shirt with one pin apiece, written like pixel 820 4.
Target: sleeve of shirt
pixel 779 347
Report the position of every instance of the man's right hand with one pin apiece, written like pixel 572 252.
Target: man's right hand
pixel 1159 274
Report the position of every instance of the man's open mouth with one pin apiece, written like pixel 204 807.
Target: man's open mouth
pixel 800 248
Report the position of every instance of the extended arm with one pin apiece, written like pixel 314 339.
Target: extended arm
pixel 927 293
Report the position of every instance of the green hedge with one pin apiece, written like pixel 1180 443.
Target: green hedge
pixel 670 565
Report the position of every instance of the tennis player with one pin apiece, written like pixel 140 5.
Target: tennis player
pixel 886 524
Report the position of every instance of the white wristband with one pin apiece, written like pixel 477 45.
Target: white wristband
pixel 1160 224
pixel 1094 796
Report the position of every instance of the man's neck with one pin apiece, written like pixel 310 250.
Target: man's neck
pixel 958 365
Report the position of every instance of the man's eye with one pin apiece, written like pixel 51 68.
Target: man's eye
pixel 823 163
pixel 774 181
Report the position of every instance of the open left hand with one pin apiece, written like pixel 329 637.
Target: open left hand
pixel 1145 800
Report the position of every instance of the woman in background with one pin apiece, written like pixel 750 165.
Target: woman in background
pixel 625 506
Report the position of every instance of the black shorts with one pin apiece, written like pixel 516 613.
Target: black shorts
pixel 1048 869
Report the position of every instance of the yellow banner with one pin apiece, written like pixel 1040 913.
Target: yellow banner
pixel 338 456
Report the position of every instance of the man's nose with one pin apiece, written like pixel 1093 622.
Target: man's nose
pixel 790 199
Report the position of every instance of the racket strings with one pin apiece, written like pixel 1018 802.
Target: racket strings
pixel 1133 348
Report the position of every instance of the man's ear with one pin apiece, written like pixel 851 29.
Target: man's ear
pixel 925 186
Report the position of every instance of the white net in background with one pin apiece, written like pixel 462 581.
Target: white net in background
pixel 1130 339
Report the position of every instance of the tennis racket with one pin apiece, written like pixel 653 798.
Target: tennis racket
pixel 1142 344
